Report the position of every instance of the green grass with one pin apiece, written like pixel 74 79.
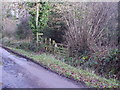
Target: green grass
pixel 60 67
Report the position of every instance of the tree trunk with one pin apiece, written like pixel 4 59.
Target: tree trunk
pixel 37 15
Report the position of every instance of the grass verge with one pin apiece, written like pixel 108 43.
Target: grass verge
pixel 90 79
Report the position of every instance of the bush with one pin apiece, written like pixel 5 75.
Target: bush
pixel 36 48
pixel 29 46
pixel 23 30
pixel 107 66
pixel 6 41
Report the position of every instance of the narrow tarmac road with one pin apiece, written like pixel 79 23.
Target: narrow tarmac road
pixel 17 72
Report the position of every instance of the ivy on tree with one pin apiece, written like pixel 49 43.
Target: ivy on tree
pixel 39 12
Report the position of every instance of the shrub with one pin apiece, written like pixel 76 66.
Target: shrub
pixel 23 30
pixel 107 65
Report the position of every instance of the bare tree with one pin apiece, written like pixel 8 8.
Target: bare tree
pixel 91 26
pixel 13 13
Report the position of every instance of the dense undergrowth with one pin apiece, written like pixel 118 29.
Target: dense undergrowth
pixel 105 64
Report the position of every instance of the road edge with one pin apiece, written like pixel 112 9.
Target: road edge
pixel 45 67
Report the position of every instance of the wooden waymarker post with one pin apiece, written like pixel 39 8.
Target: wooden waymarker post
pixel 38 34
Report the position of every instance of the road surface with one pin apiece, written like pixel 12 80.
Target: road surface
pixel 17 72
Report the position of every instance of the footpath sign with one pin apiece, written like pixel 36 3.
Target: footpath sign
pixel 38 34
